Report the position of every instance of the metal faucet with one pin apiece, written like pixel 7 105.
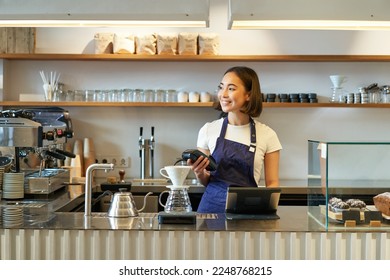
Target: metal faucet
pixel 88 183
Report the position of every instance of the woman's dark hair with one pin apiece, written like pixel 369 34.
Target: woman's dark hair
pixel 249 78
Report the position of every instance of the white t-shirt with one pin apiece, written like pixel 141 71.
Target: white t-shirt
pixel 266 140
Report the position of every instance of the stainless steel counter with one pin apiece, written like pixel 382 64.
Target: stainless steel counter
pixel 291 219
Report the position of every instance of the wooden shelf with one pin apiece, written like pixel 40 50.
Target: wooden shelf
pixel 177 104
pixel 200 58
pixel 324 105
pixel 193 58
pixel 103 104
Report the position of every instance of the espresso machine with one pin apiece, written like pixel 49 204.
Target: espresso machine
pixel 36 137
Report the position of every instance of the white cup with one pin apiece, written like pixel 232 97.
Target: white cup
pixel 182 96
pixel 205 96
pixel 176 173
pixel 193 96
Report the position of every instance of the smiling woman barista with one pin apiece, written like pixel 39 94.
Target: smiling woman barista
pixel 240 145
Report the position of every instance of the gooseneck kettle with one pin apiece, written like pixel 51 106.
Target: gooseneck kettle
pixel 123 205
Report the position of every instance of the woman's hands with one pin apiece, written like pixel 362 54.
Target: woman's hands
pixel 199 168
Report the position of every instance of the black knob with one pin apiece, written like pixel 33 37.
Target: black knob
pixel 49 135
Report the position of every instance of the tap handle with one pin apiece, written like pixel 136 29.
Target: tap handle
pixel 140 141
pixel 152 139
pixel 152 142
pixel 121 176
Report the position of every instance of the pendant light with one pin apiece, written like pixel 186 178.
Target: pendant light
pixel 309 14
pixel 98 13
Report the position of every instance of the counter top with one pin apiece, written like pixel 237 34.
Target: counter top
pixel 292 218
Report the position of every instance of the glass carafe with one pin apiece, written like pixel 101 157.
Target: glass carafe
pixel 338 95
pixel 178 200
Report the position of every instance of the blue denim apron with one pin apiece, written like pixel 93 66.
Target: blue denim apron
pixel 235 167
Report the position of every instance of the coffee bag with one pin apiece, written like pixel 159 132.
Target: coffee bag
pixel 145 44
pixel 103 43
pixel 167 43
pixel 188 43
pixel 124 44
pixel 208 44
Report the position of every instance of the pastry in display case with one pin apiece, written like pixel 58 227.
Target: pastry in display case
pixel 348 184
pixel 382 203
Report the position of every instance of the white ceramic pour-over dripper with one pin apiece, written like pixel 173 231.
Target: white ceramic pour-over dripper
pixel 337 80
pixel 176 173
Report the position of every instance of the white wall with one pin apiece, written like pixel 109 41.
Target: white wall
pixel 115 130
pixel 234 41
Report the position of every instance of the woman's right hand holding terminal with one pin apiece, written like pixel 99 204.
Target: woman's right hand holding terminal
pixel 199 168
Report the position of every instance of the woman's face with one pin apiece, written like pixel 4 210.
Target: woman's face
pixel 232 94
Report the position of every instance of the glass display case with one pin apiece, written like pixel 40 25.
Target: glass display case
pixel 343 179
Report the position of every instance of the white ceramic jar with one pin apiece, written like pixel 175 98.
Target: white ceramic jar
pixel 182 96
pixel 205 96
pixel 193 96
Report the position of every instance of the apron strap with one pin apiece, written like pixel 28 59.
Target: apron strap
pixel 224 128
pixel 252 146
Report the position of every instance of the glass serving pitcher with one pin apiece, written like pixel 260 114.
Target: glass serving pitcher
pixel 178 200
pixel 385 90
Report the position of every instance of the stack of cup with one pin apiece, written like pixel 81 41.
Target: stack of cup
pixel 12 216
pixel 13 185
